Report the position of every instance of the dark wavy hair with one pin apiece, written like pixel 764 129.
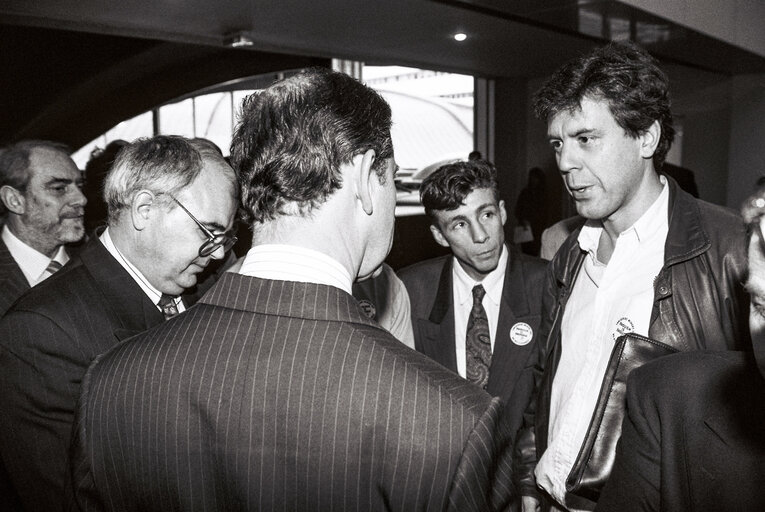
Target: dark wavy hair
pixel 624 75
pixel 450 184
pixel 293 137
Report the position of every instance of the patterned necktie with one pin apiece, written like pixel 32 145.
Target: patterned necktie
pixel 167 305
pixel 53 267
pixel 477 341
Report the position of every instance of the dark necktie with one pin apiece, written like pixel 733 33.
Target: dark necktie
pixel 477 341
pixel 167 305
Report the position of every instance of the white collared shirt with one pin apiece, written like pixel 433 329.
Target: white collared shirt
pixel 606 302
pixel 151 292
pixel 31 261
pixel 281 262
pixel 462 290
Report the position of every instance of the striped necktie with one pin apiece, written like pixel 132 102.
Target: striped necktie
pixel 53 267
pixel 478 341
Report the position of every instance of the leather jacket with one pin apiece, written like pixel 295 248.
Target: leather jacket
pixel 699 303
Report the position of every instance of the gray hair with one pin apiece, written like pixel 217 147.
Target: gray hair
pixel 163 164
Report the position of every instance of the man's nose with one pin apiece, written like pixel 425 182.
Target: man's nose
pixel 479 233
pixel 567 159
pixel 78 198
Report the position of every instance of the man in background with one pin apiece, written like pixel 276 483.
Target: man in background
pixel 277 392
pixel 651 259
pixel 477 311
pixel 170 205
pixel 42 205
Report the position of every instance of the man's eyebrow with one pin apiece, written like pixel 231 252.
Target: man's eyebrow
pixel 214 226
pixel 59 181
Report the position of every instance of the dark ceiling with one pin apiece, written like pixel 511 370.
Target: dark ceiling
pixel 71 70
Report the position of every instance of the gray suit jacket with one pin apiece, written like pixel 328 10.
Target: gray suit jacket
pixel 276 395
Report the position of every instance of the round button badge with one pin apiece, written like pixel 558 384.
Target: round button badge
pixel 521 334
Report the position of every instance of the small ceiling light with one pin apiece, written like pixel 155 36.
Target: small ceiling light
pixel 460 36
pixel 238 40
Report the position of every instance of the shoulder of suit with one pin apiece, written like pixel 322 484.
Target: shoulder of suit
pixel 418 369
pixel 56 293
pixel 422 269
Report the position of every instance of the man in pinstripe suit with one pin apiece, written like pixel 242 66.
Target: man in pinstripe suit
pixel 276 392
pixel 106 293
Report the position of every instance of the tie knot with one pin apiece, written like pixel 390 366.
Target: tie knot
pixel 478 293
pixel 168 306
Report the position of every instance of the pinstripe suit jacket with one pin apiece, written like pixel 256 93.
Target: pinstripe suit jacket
pixel 276 395
pixel 13 284
pixel 47 340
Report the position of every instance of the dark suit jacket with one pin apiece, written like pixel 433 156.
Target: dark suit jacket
pixel 13 284
pixel 694 437
pixel 276 395
pixel 47 340
pixel 429 284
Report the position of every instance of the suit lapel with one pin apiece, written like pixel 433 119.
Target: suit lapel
pixel 129 309
pixel 437 332
pixel 13 284
pixel 509 358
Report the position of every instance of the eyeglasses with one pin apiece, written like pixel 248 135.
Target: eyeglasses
pixel 213 241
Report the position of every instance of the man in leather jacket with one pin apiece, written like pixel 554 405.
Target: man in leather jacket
pixel 650 259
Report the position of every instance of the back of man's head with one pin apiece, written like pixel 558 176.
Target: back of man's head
pixel 293 137
pixel 163 164
pixel 627 78
pixel 450 184
pixel 15 162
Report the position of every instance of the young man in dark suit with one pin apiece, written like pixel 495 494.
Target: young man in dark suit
pixel 277 392
pixel 109 291
pixel 694 435
pixel 462 200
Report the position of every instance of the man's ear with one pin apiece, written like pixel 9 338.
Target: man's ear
pixel 438 236
pixel 649 140
pixel 13 200
pixel 502 212
pixel 362 165
pixel 143 206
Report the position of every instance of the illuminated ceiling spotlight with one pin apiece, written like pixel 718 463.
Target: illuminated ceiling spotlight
pixel 238 40
pixel 460 36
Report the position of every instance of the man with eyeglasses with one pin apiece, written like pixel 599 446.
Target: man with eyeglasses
pixel 278 392
pixel 171 205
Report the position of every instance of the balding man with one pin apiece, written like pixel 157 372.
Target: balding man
pixel 171 205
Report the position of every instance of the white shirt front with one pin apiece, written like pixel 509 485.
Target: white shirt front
pixel 462 290
pixel 606 302
pixel 151 292
pixel 293 263
pixel 31 261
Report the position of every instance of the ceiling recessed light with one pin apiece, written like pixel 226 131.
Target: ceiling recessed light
pixel 238 40
pixel 460 36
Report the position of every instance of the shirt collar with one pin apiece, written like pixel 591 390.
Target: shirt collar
pixel 492 282
pixel 151 292
pixel 31 261
pixel 649 223
pixel 294 263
